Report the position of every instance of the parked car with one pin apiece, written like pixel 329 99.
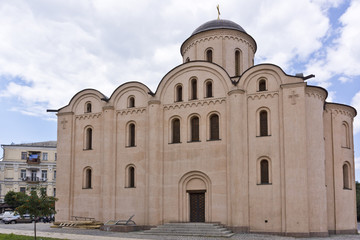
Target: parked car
pixel 6 214
pixel 18 219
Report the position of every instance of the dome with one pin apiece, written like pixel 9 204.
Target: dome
pixel 218 24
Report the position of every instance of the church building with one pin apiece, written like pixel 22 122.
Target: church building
pixel 220 140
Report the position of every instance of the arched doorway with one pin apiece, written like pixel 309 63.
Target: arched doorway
pixel 195 197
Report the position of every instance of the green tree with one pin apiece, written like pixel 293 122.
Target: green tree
pixel 37 205
pixel 358 200
pixel 15 199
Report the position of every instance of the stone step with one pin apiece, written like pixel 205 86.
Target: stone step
pixel 191 229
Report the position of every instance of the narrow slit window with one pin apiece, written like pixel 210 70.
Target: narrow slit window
pixel 209 55
pixel 88 178
pixel 193 89
pixel 262 85
pixel 131 102
pixel 88 144
pixel 263 123
pixel 131 135
pixel 264 171
pixel 176 131
pixel 237 63
pixel 131 175
pixel 194 129
pixel 209 89
pixel 214 127
pixel 178 93
pixel 346 176
pixel 88 107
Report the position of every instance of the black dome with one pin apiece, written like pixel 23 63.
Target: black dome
pixel 218 24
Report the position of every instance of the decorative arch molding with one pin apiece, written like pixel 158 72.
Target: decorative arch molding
pixel 194 104
pixel 194 180
pixel 259 74
pixel 132 111
pixel 89 95
pixel 88 116
pixel 341 109
pixel 130 87
pixel 258 96
pixel 316 92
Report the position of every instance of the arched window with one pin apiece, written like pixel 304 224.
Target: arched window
pixel 178 93
pixel 214 127
pixel 209 55
pixel 193 90
pixel 88 138
pixel 264 171
pixel 209 89
pixel 262 85
pixel 194 128
pixel 131 134
pixel 175 126
pixel 131 102
pixel 345 135
pixel 131 177
pixel 88 107
pixel 263 123
pixel 346 176
pixel 237 63
pixel 87 182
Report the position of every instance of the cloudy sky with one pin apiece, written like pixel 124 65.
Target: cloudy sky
pixel 50 50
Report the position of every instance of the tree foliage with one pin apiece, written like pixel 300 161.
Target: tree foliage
pixel 358 200
pixel 15 199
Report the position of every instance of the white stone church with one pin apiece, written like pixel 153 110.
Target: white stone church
pixel 220 140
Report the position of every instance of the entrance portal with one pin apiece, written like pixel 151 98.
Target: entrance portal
pixel 197 206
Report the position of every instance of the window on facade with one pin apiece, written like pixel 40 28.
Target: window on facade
pixel 346 176
pixel 45 156
pixel 54 192
pixel 175 130
pixel 209 55
pixel 262 85
pixel 131 135
pixel 23 155
pixel 131 103
pixel 88 107
pixel 178 93
pixel 34 178
pixel 22 189
pixel 55 156
pixel 263 123
pixel 88 144
pixel 264 171
pixel 131 177
pixel 88 178
pixel 44 175
pixel 345 135
pixel 237 63
pixel 194 128
pixel 214 127
pixel 209 89
pixel 23 174
pixel 54 174
pixel 193 89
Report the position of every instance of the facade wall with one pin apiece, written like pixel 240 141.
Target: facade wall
pixel 15 163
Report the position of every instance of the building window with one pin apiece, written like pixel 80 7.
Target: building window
pixel 194 129
pixel 178 93
pixel 175 126
pixel 44 175
pixel 130 177
pixel 346 176
pixel 187 59
pixel 209 55
pixel 45 156
pixel 345 135
pixel 131 102
pixel 22 189
pixel 131 133
pixel 23 155
pixel 193 90
pixel 214 127
pixel 54 174
pixel 54 192
pixel 264 171
pixel 88 107
pixel 55 156
pixel 209 89
pixel 23 174
pixel 237 63
pixel 88 138
pixel 262 85
pixel 87 178
pixel 263 123
pixel 34 178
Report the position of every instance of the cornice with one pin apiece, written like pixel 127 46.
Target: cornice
pixel 88 116
pixel 340 109
pixel 315 92
pixel 194 103
pixel 131 111
pixel 264 94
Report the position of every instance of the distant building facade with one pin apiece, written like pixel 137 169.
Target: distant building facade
pixel 221 140
pixel 27 166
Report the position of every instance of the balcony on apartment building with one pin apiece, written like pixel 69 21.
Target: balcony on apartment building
pixel 33 158
pixel 33 179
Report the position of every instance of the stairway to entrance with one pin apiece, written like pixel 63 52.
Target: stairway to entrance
pixel 191 229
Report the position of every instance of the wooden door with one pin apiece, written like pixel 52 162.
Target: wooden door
pixel 197 207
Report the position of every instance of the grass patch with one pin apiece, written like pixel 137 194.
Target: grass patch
pixel 20 237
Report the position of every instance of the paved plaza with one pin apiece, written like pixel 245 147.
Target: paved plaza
pixel 44 230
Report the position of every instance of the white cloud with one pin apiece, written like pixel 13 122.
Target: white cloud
pixel 357 163
pixel 355 102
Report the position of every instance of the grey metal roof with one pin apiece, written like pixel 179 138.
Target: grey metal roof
pixel 35 144
pixel 218 24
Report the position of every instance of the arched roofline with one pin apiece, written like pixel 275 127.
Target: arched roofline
pixel 79 94
pixel 320 88
pixel 342 105
pixel 126 85
pixel 177 69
